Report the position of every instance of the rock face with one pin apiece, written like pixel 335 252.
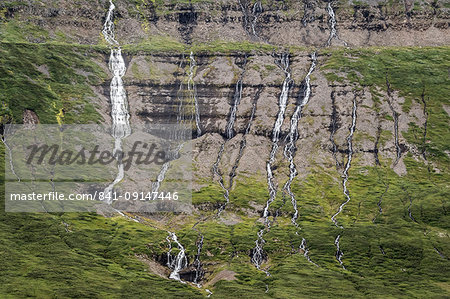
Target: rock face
pixel 287 23
pixel 374 100
pixel 155 83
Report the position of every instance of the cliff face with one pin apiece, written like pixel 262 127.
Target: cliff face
pixel 285 23
pixel 370 155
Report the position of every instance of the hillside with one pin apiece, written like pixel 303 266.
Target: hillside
pixel 320 146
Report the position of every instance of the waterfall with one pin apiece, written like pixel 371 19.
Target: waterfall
pixel 257 252
pixel 178 135
pixel 305 250
pixel 161 176
pixel 229 132
pixel 119 105
pixel 250 19
pixel 409 210
pixel 242 146
pixel 339 253
pixel 199 272
pixel 216 171
pixel 256 11
pixel 348 164
pixel 332 21
pixel 290 148
pixel 179 262
pixel 192 90
pixel 284 65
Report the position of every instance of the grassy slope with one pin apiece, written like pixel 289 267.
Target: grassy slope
pixel 97 258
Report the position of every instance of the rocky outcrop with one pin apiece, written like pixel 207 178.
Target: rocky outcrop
pixel 360 23
pixel 155 82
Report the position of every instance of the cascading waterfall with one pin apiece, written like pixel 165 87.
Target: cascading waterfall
pixel 348 164
pixel 290 148
pixel 332 21
pixel 282 104
pixel 339 253
pixel 304 248
pixel 179 262
pixel 243 143
pixel 216 171
pixel 119 105
pixel 199 272
pixel 250 19
pixel 161 176
pixel 256 11
pixel 257 253
pixel 229 132
pixel 192 90
pixel 181 119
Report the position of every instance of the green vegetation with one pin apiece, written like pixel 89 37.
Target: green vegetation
pixel 165 44
pixel 47 78
pixel 415 73
pixel 386 255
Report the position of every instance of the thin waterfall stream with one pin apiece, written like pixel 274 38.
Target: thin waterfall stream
pixel 282 104
pixel 230 133
pixel 192 90
pixel 339 252
pixel 257 253
pixel 332 22
pixel 291 148
pixel 199 272
pixel 251 17
pixel 179 262
pixel 119 105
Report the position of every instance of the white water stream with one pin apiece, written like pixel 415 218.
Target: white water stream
pixel 339 253
pixel 119 105
pixel 332 21
pixel 192 90
pixel 347 165
pixel 257 253
pixel 282 104
pixel 179 262
pixel 290 148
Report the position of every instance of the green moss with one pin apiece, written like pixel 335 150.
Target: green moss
pixel 410 71
pixel 25 87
